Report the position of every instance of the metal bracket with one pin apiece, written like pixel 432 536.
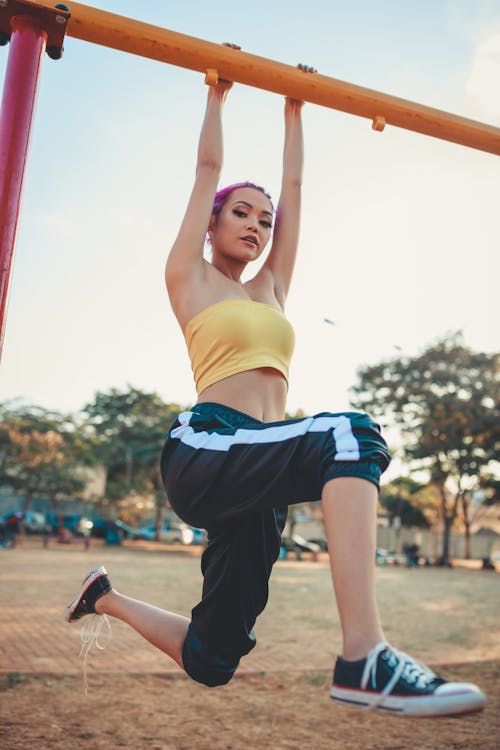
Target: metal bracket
pixel 211 77
pixel 53 21
pixel 379 123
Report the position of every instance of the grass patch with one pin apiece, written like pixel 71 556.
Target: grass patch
pixel 11 680
pixel 316 679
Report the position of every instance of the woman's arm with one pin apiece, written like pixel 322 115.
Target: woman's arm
pixel 281 259
pixel 185 260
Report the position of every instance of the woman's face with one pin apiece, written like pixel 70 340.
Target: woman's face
pixel 242 229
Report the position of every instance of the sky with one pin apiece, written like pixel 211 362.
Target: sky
pixel 400 232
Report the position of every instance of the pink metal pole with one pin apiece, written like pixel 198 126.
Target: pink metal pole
pixel 27 46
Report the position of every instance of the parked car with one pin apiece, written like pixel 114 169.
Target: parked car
pixel 74 522
pixel 128 532
pixel 12 521
pixel 102 526
pixel 99 527
pixel 175 533
pixel 149 532
pixel 168 533
pixel 199 535
pixel 179 533
pixel 7 537
pixel 34 523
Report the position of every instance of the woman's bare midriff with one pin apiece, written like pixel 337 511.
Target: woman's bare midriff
pixel 260 393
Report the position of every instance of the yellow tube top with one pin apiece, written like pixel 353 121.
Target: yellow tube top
pixel 236 335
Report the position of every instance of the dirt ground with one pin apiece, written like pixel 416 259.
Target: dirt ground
pixel 275 710
pixel 134 701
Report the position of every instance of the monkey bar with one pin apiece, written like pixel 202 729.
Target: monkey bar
pixel 35 25
pixel 146 40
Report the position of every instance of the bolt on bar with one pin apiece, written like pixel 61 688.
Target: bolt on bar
pixel 146 40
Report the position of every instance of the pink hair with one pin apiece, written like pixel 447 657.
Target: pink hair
pixel 222 195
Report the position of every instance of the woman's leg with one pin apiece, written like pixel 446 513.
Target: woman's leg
pixel 236 567
pixel 350 517
pixel 370 673
pixel 165 630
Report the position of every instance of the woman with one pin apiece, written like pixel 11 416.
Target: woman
pixel 231 464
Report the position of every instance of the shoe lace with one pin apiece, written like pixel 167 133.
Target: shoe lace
pixel 403 665
pixel 89 634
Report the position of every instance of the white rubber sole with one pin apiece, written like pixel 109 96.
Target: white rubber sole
pixel 92 576
pixel 459 698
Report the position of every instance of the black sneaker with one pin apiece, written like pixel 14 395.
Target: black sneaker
pixel 390 680
pixel 93 587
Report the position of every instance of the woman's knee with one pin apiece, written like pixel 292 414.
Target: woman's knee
pixel 213 679
pixel 357 440
pixel 208 668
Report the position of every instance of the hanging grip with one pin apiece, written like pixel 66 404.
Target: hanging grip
pixel 211 77
pixel 379 123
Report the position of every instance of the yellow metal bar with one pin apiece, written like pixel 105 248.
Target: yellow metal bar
pixel 146 40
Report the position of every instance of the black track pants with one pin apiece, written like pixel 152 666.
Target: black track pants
pixel 235 476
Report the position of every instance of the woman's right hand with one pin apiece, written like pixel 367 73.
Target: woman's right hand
pixel 221 89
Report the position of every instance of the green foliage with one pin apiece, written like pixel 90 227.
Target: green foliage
pixel 130 428
pixel 402 506
pixel 316 679
pixel 11 680
pixel 445 402
pixel 41 452
pixel 491 486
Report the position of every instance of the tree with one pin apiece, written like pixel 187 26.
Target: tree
pixel 41 452
pixel 445 402
pixel 130 428
pixel 474 504
pixel 399 499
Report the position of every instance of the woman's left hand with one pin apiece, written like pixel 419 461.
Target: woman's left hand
pixel 293 107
